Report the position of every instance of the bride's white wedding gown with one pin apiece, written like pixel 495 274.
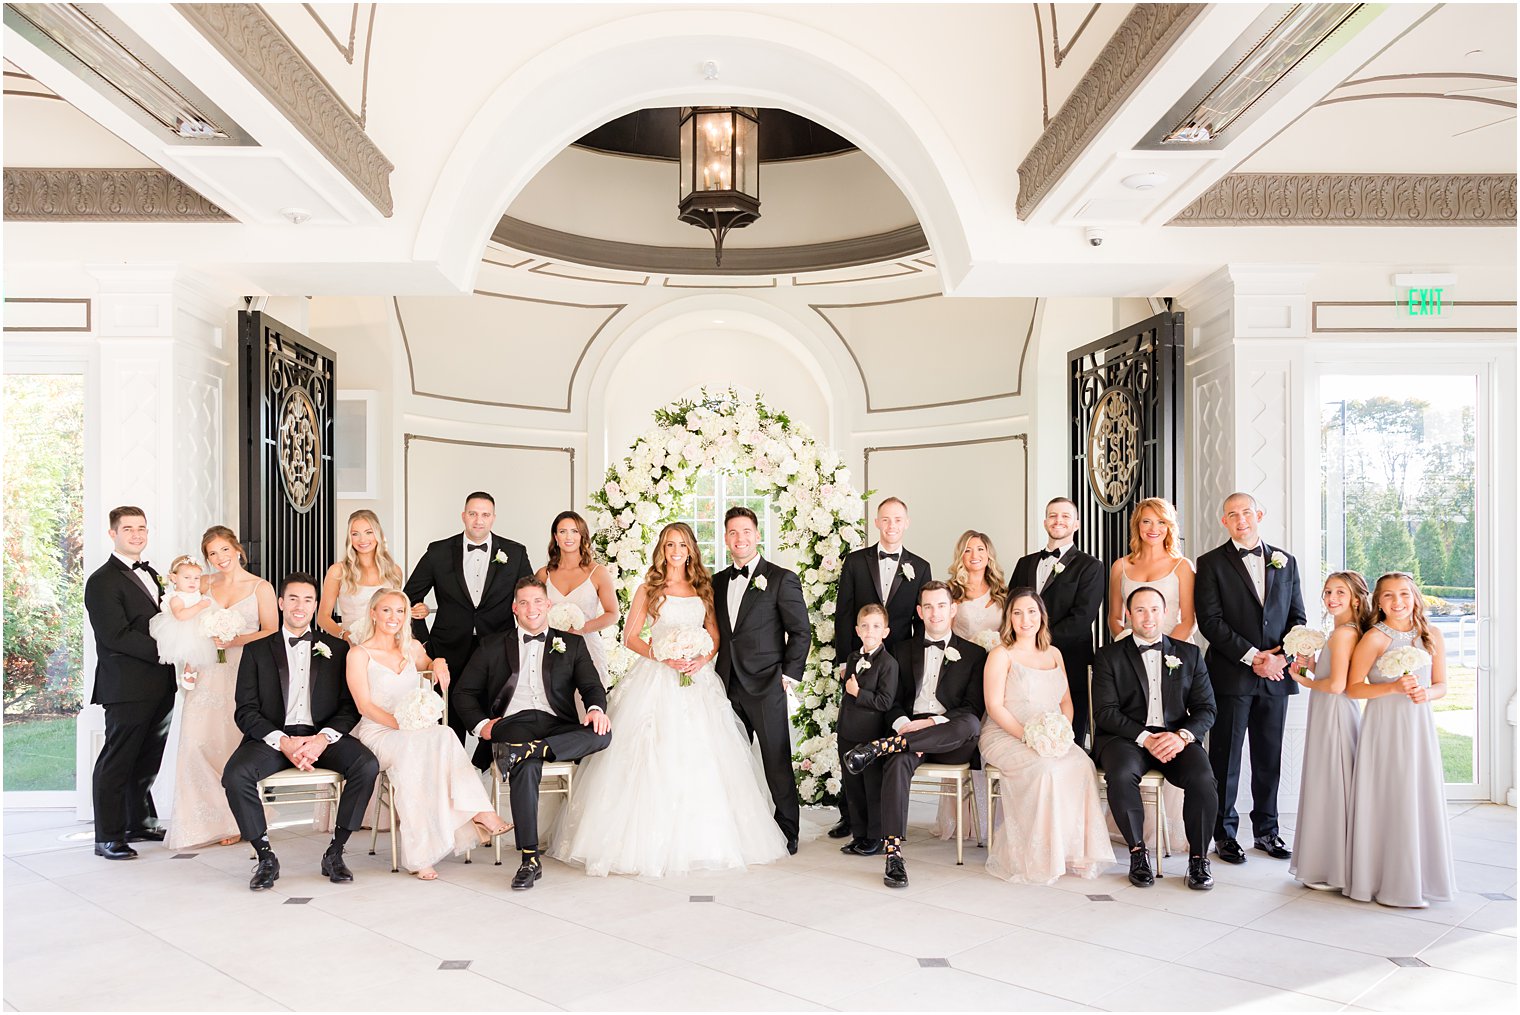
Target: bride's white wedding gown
pixel 680 788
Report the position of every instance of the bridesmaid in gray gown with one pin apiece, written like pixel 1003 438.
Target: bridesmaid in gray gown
pixel 1400 846
pixel 1324 795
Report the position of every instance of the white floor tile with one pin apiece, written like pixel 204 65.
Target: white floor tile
pixel 1363 929
pixel 1147 932
pixel 1231 904
pixel 1021 905
pixel 1075 970
pixel 951 990
pixel 1438 990
pixel 693 988
pixel 1495 918
pixel 1179 988
pixel 696 930
pixel 793 962
pixel 1480 849
pixel 1483 877
pixel 1475 953
pixel 567 968
pixel 1320 970
pixel 915 929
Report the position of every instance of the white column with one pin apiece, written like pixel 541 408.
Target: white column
pixel 1250 427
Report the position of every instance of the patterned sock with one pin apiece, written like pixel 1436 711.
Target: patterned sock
pixel 261 845
pixel 894 844
pixel 895 744
pixel 530 855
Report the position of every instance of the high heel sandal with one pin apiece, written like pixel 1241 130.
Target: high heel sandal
pixel 487 835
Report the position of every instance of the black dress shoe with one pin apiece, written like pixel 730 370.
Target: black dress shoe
pixel 1274 847
pixel 857 758
pixel 147 835
pixel 265 873
pixel 840 830
pixel 1229 851
pixel 118 850
pixel 791 847
pixel 863 847
pixel 1140 873
pixel 333 867
pixel 896 875
pixel 1198 877
pixel 529 872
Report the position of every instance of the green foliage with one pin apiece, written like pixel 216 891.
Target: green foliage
pixel 39 755
pixel 1430 542
pixel 1449 591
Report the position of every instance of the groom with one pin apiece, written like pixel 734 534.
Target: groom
pixel 763 640
pixel 518 695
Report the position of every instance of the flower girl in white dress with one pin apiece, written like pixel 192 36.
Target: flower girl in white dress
pixel 178 628
pixel 680 788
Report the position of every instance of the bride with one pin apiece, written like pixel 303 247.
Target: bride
pixel 679 789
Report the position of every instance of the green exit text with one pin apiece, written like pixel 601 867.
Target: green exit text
pixel 1425 303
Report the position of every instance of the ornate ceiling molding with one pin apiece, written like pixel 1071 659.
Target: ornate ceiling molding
pixel 255 45
pixel 104 195
pixel 1354 199
pixel 1142 40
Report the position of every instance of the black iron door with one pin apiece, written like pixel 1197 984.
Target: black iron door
pixel 1126 429
pixel 286 432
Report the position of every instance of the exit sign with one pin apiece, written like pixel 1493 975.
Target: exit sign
pixel 1426 302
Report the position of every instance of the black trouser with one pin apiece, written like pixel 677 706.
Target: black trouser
pixel 567 741
pixel 1262 717
pixel 1124 762
pixel 764 718
pixel 122 785
pixel 947 743
pixel 861 796
pixel 1076 682
pixel 254 760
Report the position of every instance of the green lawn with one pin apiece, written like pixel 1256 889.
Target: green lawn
pixel 1456 757
pixel 39 754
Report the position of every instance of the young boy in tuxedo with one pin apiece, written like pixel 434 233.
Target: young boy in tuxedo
pixel 870 685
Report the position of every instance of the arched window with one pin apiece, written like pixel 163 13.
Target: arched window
pixel 716 492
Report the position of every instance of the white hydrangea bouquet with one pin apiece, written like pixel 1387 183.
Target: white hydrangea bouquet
pixel 1049 735
pixel 1405 661
pixel 683 643
pixel 418 709
pixel 221 625
pixel 989 639
pixel 566 617
pixel 1303 640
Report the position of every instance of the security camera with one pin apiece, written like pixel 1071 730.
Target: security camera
pixel 1094 236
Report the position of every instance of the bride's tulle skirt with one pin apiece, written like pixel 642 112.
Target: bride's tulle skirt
pixel 680 788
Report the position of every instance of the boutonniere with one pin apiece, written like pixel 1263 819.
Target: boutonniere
pixel 759 582
pixel 1172 662
pixel 163 582
pixel 1279 560
pixel 907 570
pixel 952 653
pixel 558 645
pixel 863 665
pixel 1058 568
pixel 501 556
pixel 321 649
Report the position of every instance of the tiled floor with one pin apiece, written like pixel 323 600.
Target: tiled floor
pixel 817 931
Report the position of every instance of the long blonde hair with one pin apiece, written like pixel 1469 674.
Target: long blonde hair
pixel 1361 606
pixel 363 628
pixel 1168 515
pixel 656 578
pixel 390 571
pixel 1421 625
pixel 996 583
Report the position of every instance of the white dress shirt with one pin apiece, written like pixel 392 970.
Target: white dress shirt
pixel 1256 566
pixel 1155 714
pixel 1047 566
pixel 140 574
pixel 298 698
pixel 927 703
pixel 737 585
pixel 530 693
pixel 476 562
pixel 888 570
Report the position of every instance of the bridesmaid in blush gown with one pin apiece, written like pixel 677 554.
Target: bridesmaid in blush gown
pixel 586 584
pixel 207 734
pixel 1324 795
pixel 1052 815
pixel 1400 845
pixel 439 800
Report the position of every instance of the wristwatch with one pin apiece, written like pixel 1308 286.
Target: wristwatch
pixel 1187 736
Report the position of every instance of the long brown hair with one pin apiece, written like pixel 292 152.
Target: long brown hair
pixel 390 571
pixel 656 578
pixel 1005 630
pixel 223 532
pixel 997 585
pixel 1168 515
pixel 588 561
pixel 1421 625
pixel 1361 605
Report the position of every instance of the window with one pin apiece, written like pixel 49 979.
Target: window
pixel 716 492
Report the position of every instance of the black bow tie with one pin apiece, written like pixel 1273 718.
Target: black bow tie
pixel 296 639
pixel 1154 646
pixel 741 572
pixel 935 644
pixel 1255 549
pixel 141 565
pixel 540 636
pixel 474 546
pixel 1050 553
pixel 884 555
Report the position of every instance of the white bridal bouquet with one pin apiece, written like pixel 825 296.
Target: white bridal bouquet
pixel 989 639
pixel 1049 735
pixel 1303 640
pixel 221 625
pixel 1404 661
pixel 418 709
pixel 683 643
pixel 566 617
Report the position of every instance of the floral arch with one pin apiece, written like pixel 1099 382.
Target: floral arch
pixel 820 516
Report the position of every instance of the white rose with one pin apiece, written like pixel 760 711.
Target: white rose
pixel 828 608
pixel 625 517
pixel 826 630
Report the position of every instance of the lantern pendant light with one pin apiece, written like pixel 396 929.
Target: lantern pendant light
pixel 720 169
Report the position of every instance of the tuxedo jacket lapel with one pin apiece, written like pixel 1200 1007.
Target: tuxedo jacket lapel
pixel 873 568
pixel 1065 562
pixel 918 671
pixel 1267 572
pixel 750 592
pixel 504 699
pixel 282 667
pixel 128 576
pixel 457 555
pixel 1137 666
pixel 496 544
pixel 897 577
pixel 1239 565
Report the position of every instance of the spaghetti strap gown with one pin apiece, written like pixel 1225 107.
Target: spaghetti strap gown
pixel 1324 794
pixel 585 596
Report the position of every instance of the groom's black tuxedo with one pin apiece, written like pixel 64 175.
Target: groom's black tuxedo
pixel 1121 697
pixel 486 690
pixel 769 641
pixel 137 692
pixel 1235 620
pixel 1074 598
pixel 260 704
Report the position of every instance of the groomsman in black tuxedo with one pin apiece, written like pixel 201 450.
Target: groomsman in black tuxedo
pixel 1247 598
pixel 763 640
pixel 136 690
pixel 886 573
pixel 937 717
pixel 472 575
pixel 295 710
pixel 1073 585
pixel 1152 704
pixel 518 695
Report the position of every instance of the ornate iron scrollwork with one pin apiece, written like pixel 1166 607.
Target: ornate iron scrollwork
pixel 300 449
pixel 1113 448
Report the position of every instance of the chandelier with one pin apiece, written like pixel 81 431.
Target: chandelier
pixel 720 169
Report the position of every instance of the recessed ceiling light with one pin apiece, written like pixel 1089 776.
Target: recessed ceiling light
pixel 1144 181
pixel 717 320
